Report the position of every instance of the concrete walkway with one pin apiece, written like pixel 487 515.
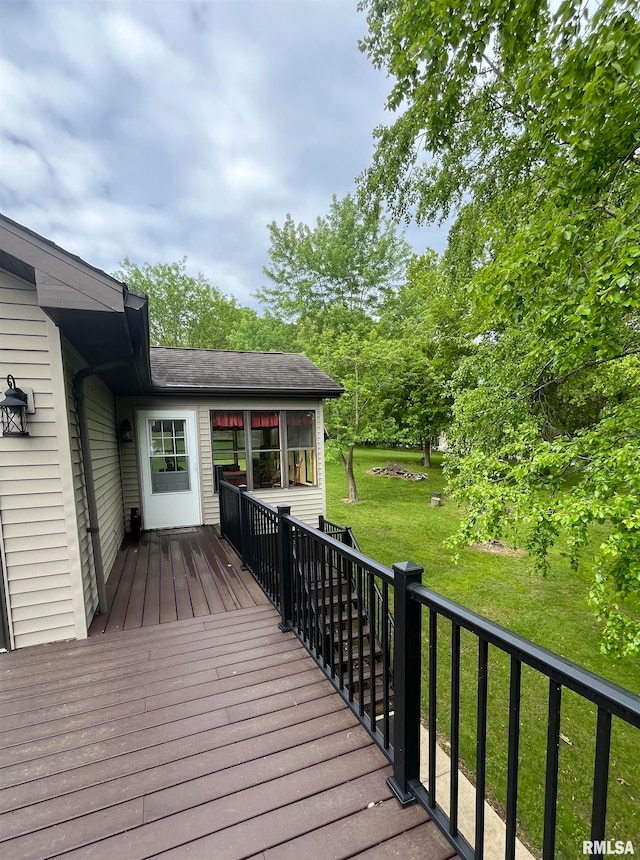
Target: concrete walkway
pixel 495 829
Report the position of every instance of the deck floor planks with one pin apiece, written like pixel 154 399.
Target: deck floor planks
pixel 358 832
pixel 151 609
pixel 239 580
pixel 169 741
pixel 183 599
pixel 424 841
pixel 118 606
pixel 199 602
pixel 105 722
pixel 285 652
pixel 168 611
pixel 153 774
pixel 205 737
pixel 207 577
pixel 135 606
pixel 175 574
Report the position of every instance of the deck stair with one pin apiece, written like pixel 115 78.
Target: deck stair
pixel 344 637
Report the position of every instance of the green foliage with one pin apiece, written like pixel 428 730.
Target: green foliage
pixel 349 263
pixel 184 311
pixel 262 333
pixel 523 120
pixel 425 324
pixel 333 282
pixel 397 523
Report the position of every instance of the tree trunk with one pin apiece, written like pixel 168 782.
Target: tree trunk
pixel 347 463
pixel 426 453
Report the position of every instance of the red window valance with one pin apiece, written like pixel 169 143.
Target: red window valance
pixel 227 421
pixel 264 419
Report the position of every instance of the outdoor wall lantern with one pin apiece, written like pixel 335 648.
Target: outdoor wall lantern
pixel 126 431
pixel 13 410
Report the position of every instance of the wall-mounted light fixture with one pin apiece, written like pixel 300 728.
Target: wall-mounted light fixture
pixel 126 431
pixel 13 410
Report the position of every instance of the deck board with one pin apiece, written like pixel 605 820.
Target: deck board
pixel 172 575
pixel 212 736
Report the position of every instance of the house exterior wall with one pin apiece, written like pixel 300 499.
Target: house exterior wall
pixel 307 503
pixel 39 536
pixel 105 461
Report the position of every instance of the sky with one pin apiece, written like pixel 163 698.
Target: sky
pixel 160 129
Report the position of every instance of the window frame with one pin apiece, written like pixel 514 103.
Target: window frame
pixel 283 451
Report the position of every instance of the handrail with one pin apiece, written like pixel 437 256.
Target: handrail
pixel 384 633
pixel 354 555
pixel 622 703
pixel 331 625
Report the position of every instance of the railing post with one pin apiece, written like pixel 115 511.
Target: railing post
pixel 406 682
pixel 221 502
pixel 245 532
pixel 286 570
pixel 321 522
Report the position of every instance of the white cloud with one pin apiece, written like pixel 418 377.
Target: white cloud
pixel 159 130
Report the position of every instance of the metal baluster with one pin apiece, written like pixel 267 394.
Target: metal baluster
pixel 513 757
pixel 433 703
pixel 551 781
pixel 481 745
pixel 601 775
pixel 455 728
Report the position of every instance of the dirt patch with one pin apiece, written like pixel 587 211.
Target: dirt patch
pixel 498 548
pixel 395 470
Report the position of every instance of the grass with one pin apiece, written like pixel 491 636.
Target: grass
pixel 395 522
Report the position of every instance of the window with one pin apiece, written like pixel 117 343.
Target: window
pixel 227 439
pixel 301 448
pixel 265 449
pixel 168 456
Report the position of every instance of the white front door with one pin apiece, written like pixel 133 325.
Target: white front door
pixel 168 451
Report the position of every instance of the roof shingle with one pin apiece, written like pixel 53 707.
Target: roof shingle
pixel 218 371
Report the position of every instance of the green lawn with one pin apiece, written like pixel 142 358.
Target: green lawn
pixel 395 522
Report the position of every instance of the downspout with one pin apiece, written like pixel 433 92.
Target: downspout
pixel 92 505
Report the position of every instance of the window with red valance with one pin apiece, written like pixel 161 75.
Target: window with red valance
pixel 264 419
pixel 265 449
pixel 227 420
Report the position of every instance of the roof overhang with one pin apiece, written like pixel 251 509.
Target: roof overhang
pixel 106 338
pixel 97 314
pixel 204 391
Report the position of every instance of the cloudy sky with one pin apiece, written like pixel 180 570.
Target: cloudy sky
pixel 159 129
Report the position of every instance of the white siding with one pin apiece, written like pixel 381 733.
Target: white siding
pixel 40 575
pixel 307 503
pixel 105 457
pixel 129 461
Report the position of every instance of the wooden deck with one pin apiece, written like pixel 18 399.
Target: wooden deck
pixel 213 737
pixel 174 575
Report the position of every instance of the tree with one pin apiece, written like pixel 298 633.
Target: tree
pixel 523 120
pixel 427 324
pixel 184 310
pixel 262 333
pixel 332 281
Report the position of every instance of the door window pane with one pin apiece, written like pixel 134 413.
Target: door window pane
pixel 168 456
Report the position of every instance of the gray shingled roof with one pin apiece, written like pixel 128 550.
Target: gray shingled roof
pixel 218 371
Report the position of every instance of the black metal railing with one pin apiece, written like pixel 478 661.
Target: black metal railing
pixel 261 553
pixel 324 589
pixel 332 584
pixel 379 619
pixel 230 519
pixel 610 700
